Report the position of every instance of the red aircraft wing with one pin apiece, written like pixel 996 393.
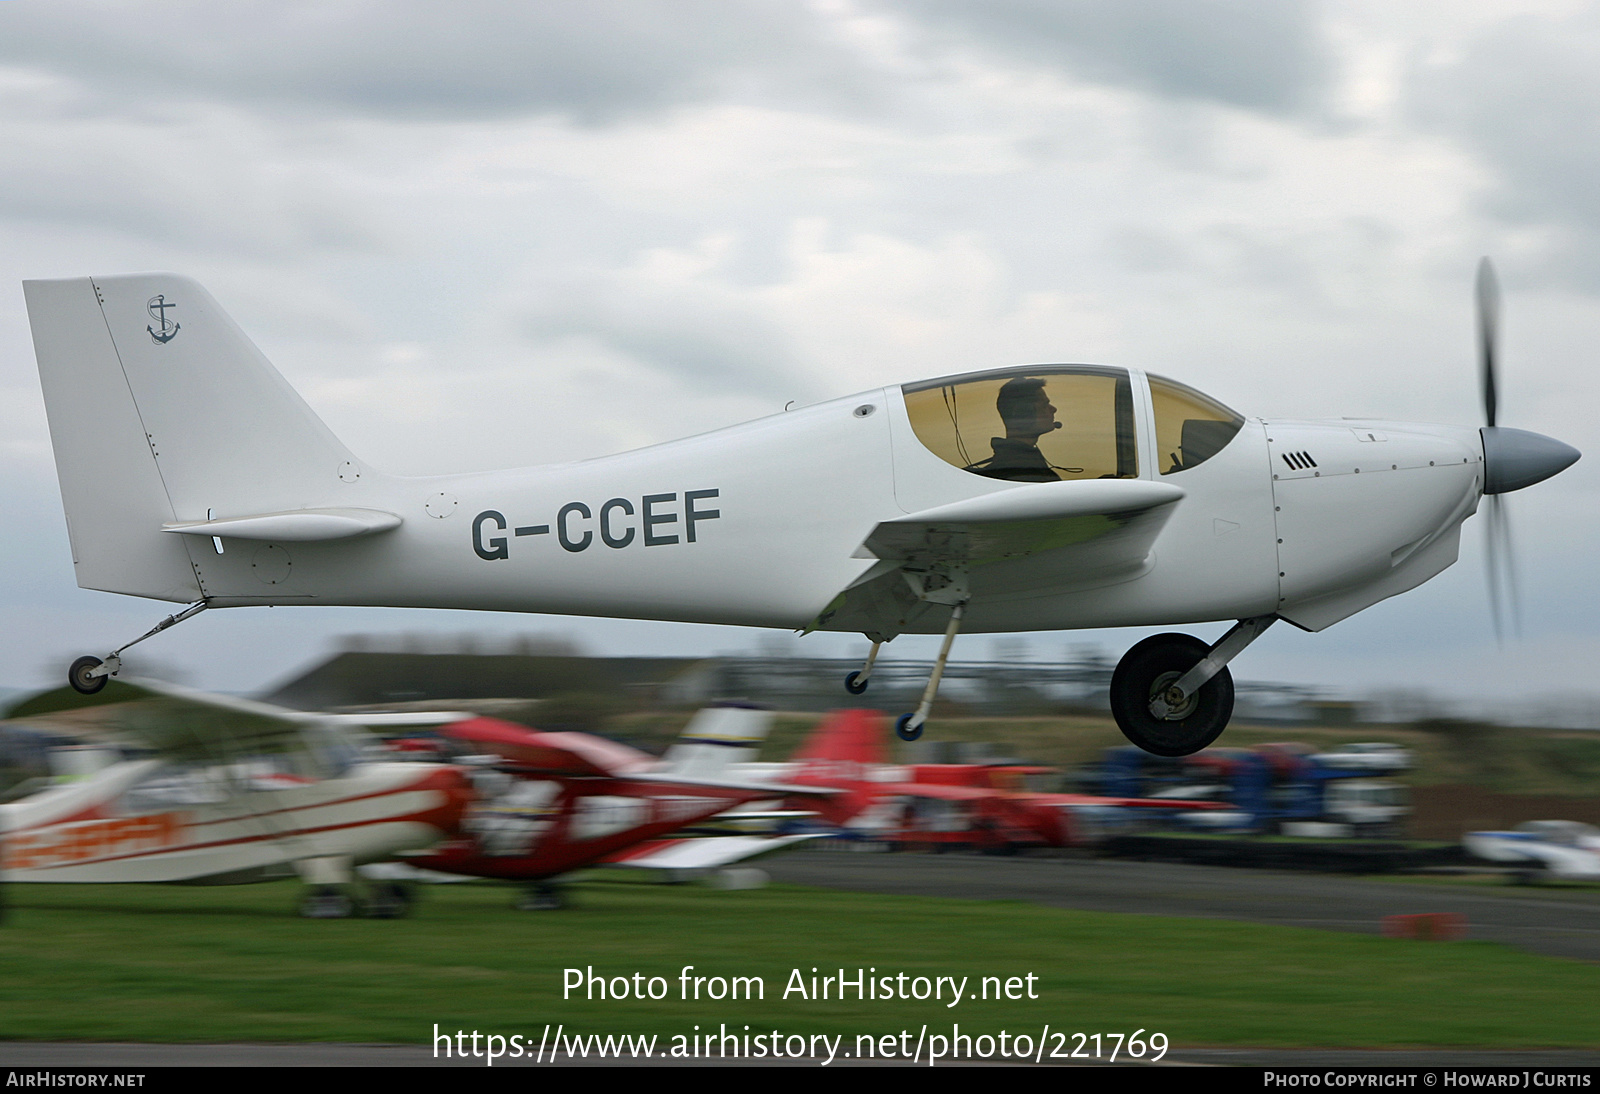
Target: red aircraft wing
pixel 554 753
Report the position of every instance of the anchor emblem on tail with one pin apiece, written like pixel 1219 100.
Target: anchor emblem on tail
pixel 157 307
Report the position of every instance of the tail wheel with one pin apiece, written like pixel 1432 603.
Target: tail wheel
pixel 1147 670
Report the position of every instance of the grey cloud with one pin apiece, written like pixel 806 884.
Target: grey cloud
pixel 698 336
pixel 1524 97
pixel 139 181
pixel 1262 55
pixel 591 61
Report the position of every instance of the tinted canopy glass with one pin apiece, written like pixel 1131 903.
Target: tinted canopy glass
pixel 1040 424
pixel 1190 427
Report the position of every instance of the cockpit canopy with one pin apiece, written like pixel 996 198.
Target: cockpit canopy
pixel 1048 423
pixel 1190 427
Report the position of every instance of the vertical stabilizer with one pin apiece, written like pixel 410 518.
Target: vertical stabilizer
pixel 161 410
pixel 842 753
pixel 110 487
pixel 713 739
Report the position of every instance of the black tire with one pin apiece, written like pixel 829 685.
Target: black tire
pixel 78 675
pixel 902 728
pixel 852 686
pixel 387 900
pixel 1151 666
pixel 537 897
pixel 327 902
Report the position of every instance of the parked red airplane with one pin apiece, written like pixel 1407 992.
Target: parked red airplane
pixel 557 802
pixel 983 805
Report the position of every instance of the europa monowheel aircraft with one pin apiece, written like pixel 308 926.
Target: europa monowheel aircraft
pixel 1045 497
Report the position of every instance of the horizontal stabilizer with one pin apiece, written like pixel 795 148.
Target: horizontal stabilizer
pixel 299 526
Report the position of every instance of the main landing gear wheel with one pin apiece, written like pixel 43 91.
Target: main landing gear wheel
pixel 78 675
pixel 387 900
pixel 327 902
pixel 1147 670
pixel 905 730
pixel 854 684
pixel 539 897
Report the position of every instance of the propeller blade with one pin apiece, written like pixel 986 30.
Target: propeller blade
pixel 1488 293
pixel 1513 593
pixel 1491 567
pixel 1505 600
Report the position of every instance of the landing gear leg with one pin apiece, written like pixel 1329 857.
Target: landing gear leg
pixel 89 674
pixel 908 727
pixel 329 878
pixel 1172 695
pixel 856 682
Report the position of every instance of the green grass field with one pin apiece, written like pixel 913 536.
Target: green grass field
pixel 152 963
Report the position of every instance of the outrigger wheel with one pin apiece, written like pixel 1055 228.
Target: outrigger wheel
pixel 905 730
pixel 854 684
pixel 78 675
pixel 1145 672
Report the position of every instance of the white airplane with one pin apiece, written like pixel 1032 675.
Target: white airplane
pixel 1044 497
pixel 226 790
pixel 1563 849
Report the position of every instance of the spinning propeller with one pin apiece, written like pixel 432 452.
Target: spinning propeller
pixel 1512 459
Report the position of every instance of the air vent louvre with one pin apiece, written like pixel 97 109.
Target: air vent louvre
pixel 1299 461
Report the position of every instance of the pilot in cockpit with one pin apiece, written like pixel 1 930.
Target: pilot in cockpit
pixel 1028 415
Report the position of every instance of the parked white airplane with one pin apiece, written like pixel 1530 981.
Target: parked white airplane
pixel 1564 849
pixel 1038 498
pixel 226 790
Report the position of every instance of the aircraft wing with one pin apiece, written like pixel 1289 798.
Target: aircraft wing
pixel 553 753
pixel 767 789
pixel 1030 518
pixel 939 791
pixel 1131 803
pixel 702 853
pixel 1093 530
pixel 176 723
pixel 977 793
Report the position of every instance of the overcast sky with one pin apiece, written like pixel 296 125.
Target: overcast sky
pixel 491 234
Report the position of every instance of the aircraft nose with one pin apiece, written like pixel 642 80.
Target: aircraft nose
pixel 1514 458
